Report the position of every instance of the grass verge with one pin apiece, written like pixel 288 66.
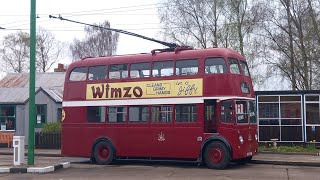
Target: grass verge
pixel 309 148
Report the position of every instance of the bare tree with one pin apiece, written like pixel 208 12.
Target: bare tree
pixel 290 31
pixel 192 22
pixel 49 50
pixel 98 42
pixel 14 52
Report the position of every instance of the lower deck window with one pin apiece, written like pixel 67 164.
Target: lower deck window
pixel 95 114
pixel 138 114
pixel 117 114
pixel 186 113
pixel 161 114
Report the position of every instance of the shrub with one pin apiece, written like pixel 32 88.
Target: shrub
pixel 52 127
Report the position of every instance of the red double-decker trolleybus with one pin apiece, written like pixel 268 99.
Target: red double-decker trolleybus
pixel 183 104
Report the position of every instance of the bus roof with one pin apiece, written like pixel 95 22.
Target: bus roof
pixel 182 54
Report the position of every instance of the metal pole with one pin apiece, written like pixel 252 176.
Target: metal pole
pixel 32 106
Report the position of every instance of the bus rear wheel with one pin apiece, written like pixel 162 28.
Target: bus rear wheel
pixel 103 153
pixel 216 155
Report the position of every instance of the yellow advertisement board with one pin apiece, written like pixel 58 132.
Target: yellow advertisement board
pixel 145 89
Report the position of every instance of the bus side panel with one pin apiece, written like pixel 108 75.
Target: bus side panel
pixel 74 139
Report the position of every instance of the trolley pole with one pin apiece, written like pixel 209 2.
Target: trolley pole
pixel 32 106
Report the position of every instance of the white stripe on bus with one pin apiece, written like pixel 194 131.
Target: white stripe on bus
pixel 155 101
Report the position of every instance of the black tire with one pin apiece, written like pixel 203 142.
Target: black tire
pixel 217 155
pixel 103 153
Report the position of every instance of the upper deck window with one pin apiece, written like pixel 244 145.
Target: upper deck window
pixel 215 66
pixel 234 66
pixel 140 70
pixel 78 74
pixel 118 71
pixel 97 73
pixel 244 68
pixel 187 67
pixel 164 68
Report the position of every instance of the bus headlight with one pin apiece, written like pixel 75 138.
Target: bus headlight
pixel 256 136
pixel 241 139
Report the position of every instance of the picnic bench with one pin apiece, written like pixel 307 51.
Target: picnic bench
pixel 6 137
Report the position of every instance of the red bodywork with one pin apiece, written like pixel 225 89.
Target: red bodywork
pixel 182 140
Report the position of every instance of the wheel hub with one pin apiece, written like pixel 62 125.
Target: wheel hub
pixel 216 155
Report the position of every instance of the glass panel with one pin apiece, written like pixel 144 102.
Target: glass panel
pixel 242 111
pixel 186 113
pixel 226 112
pixel 268 98
pixel 7 117
pixel 138 114
pixel 78 74
pixel 290 110
pixel 95 114
pixel 187 67
pixel 290 121
pixel 97 73
pixel 291 133
pixel 7 123
pixel 215 66
pixel 162 114
pixel 117 114
pixel 313 114
pixel 118 71
pixel 140 70
pixel 252 112
pixel 269 132
pixel 313 133
pixel 164 68
pixel 290 98
pixel 7 111
pixel 312 98
pixel 268 121
pixel 59 114
pixel 245 88
pixel 268 110
pixel 234 66
pixel 244 68
pixel 41 113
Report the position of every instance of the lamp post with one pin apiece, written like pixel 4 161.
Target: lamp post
pixel 32 106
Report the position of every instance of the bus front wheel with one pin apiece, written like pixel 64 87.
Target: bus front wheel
pixel 103 153
pixel 216 155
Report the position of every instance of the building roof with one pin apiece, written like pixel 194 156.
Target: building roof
pixel 44 80
pixel 14 88
pixel 21 95
pixel 14 95
pixel 287 92
pixel 56 94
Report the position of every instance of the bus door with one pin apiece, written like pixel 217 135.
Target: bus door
pixel 210 119
pixel 226 116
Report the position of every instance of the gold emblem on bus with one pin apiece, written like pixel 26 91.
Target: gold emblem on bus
pixel 161 137
pixel 63 115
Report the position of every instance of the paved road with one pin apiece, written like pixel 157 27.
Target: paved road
pixel 139 170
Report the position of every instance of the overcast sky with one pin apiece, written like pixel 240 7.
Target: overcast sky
pixel 138 16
